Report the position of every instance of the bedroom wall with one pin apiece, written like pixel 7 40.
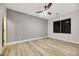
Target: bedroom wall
pixel 22 26
pixel 0 24
pixel 74 36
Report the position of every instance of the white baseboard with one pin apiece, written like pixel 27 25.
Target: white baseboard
pixel 64 40
pixel 37 39
pixel 26 40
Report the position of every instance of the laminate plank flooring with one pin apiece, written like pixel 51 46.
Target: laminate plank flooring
pixel 42 47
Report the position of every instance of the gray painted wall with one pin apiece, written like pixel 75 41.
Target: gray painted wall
pixel 0 24
pixel 22 26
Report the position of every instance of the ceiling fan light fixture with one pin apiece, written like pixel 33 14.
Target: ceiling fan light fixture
pixel 45 11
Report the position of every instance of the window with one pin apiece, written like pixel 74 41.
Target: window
pixel 63 26
pixel 66 26
pixel 56 27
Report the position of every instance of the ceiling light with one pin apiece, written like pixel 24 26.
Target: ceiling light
pixel 45 11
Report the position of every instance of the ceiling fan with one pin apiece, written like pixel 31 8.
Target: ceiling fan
pixel 46 7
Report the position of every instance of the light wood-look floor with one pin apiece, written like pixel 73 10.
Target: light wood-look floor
pixel 42 47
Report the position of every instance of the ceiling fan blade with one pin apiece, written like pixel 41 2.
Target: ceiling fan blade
pixel 49 5
pixel 39 11
pixel 49 13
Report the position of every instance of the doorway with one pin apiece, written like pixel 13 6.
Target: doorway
pixel 3 31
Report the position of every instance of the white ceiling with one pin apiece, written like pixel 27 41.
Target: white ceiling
pixel 31 8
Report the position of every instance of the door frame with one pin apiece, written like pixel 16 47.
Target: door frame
pixel 4 29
